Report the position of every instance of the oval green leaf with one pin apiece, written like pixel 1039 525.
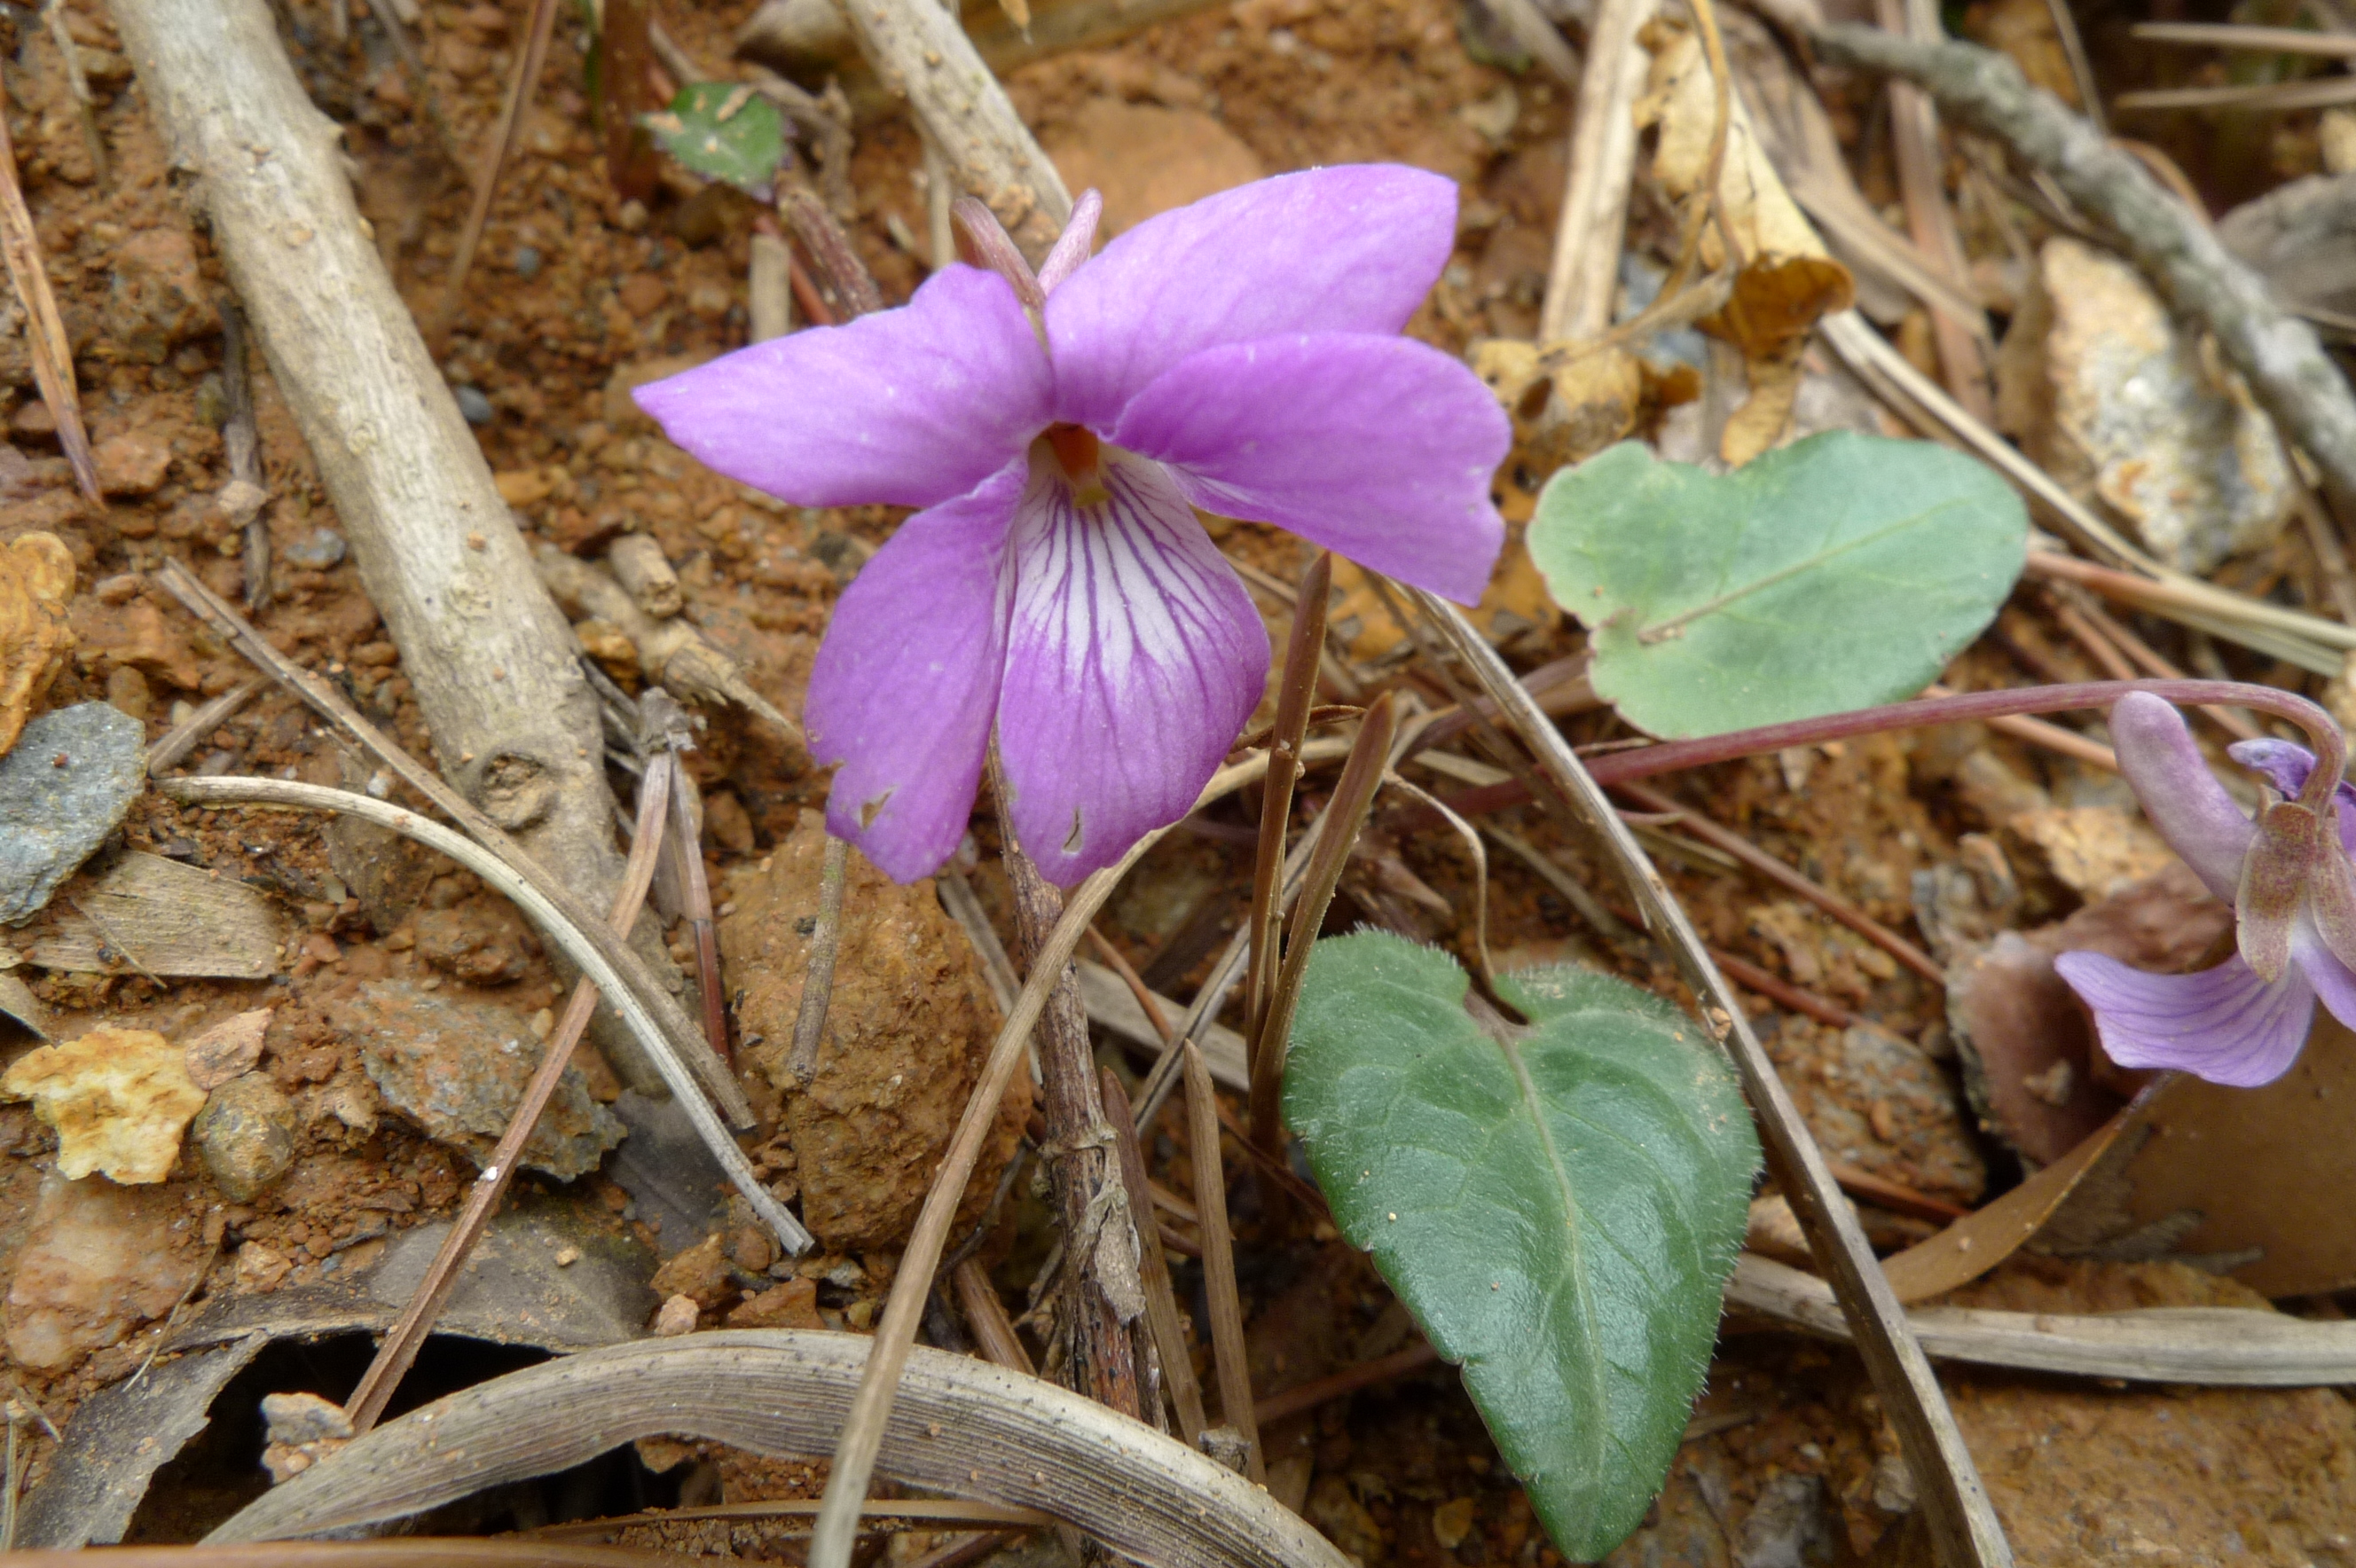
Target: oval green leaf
pixel 1838 572
pixel 1559 1206
pixel 723 131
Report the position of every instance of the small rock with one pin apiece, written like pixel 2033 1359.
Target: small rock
pixel 677 1317
pixel 472 406
pixel 120 1099
pixel 127 689
pixel 97 1260
pixel 156 299
pixel 68 783
pixel 2119 404
pixel 644 294
pixel 133 463
pixel 135 632
pixel 1789 1526
pixel 481 943
pixel 315 551
pixel 2095 850
pixel 301 1418
pixel 700 1274
pixel 1451 1523
pixel 526 262
pixel 457 1069
pixel 228 1049
pixel 567 1256
pixel 793 1305
pixel 259 1270
pixel 245 1135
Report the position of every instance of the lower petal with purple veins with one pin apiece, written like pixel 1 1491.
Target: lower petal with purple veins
pixel 1133 657
pixel 2225 1024
pixel 906 685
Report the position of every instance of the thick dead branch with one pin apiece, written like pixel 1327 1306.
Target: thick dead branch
pixel 485 649
pixel 2281 356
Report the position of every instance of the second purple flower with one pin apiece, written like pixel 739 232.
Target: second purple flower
pixel 1241 356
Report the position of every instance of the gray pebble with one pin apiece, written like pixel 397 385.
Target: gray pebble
pixel 473 405
pixel 245 1135
pixel 65 786
pixel 526 262
pixel 317 551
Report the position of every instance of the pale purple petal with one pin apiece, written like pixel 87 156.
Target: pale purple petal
pixel 2223 1024
pixel 1352 249
pixel 905 685
pixel 2181 797
pixel 1381 448
pixel 1132 659
pixel 2286 767
pixel 2332 980
pixel 904 407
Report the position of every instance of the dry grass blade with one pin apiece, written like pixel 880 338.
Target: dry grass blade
pixel 964 1427
pixel 1962 1523
pixel 2221 1345
pixel 44 329
pixel 2280 97
pixel 2259 40
pixel 495 157
pixel 551 920
pixel 826 944
pixel 1228 1349
pixel 399 1350
pixel 1337 832
pixel 53 16
pixel 985 1315
pixel 686 853
pixel 424 1551
pixel 1296 691
pixel 1914 132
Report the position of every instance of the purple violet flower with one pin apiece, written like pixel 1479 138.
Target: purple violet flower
pixel 2289 876
pixel 1240 355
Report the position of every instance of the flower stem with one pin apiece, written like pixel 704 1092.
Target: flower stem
pixel 2330 746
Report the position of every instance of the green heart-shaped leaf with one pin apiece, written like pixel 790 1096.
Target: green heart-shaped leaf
pixel 723 131
pixel 1559 1206
pixel 1838 572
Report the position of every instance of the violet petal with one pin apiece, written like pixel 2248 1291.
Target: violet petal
pixel 1381 448
pixel 2223 1024
pixel 2181 797
pixel 1133 657
pixel 2334 983
pixel 1352 249
pixel 905 685
pixel 907 408
pixel 2285 766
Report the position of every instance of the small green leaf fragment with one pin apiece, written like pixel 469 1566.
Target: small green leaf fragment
pixel 1559 1210
pixel 1840 571
pixel 723 131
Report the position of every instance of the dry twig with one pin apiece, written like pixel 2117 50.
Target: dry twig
pixel 44 329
